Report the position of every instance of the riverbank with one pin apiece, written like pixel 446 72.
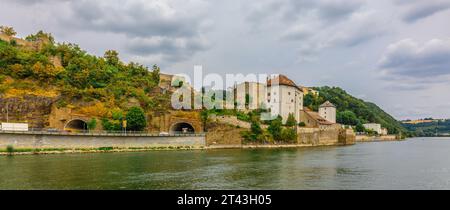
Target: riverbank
pixel 50 151
pixel 364 138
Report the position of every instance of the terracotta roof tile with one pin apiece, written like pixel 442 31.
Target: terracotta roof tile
pixel 282 80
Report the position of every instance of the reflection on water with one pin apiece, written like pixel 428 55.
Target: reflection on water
pixel 422 163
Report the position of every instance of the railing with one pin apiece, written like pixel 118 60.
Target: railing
pixel 101 133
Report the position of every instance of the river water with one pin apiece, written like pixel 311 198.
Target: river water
pixel 420 163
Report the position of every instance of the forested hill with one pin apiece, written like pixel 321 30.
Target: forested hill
pixel 353 111
pixel 40 67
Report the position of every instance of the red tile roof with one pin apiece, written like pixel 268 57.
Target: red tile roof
pixel 282 80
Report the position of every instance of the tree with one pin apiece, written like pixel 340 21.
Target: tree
pixel 41 36
pixel 360 128
pixel 136 120
pixel 112 57
pixel 289 135
pixel 92 124
pixel 291 122
pixel 275 128
pixel 308 100
pixel 256 128
pixel 155 74
pixel 8 31
pixel 204 115
pixel 347 118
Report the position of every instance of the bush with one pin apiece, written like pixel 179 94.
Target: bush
pixel 136 120
pixel 302 124
pixel 92 124
pixel 291 122
pixel 289 135
pixel 10 149
pixel 275 128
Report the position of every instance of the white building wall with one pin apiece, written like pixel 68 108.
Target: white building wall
pixel 284 100
pixel 329 113
pixel 373 126
pixel 257 93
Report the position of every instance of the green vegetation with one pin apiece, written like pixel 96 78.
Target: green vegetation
pixel 92 124
pixel 276 132
pixel 291 122
pixel 114 124
pixel 353 111
pixel 275 128
pixel 136 120
pixel 10 149
pixel 8 31
pixel 66 72
pixel 429 129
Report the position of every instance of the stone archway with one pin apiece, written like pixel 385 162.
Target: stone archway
pixel 182 128
pixel 76 125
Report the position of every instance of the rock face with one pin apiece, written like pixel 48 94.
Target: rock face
pixel 31 109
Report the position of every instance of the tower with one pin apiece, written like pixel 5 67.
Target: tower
pixel 328 111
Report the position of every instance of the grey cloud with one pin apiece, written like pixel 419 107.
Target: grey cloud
pixel 169 30
pixel 169 49
pixel 415 10
pixel 134 18
pixel 297 10
pixel 407 58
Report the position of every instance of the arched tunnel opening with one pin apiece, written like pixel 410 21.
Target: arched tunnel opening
pixel 182 128
pixel 76 125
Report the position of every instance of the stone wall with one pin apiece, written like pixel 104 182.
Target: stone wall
pixel 364 138
pixel 330 136
pixel 33 110
pixel 163 122
pixel 230 120
pixel 32 141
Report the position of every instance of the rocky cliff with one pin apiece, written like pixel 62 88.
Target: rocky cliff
pixel 31 109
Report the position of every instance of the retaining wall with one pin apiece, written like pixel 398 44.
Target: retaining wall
pixel 31 141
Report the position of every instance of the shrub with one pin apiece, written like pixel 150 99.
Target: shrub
pixel 289 135
pixel 291 122
pixel 302 124
pixel 10 149
pixel 136 120
pixel 275 128
pixel 92 124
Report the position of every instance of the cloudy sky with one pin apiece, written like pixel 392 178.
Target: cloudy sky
pixel 395 53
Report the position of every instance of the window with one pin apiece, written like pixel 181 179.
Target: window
pixel 268 100
pixel 292 101
pixel 289 93
pixel 268 94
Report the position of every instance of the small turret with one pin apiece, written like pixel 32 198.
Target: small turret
pixel 328 111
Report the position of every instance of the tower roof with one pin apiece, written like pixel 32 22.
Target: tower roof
pixel 282 80
pixel 327 104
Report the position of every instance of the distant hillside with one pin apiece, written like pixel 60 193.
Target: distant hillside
pixel 428 129
pixel 353 111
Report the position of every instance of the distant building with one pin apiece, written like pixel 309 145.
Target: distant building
pixel 328 112
pixel 308 90
pixel 313 119
pixel 373 126
pixel 384 132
